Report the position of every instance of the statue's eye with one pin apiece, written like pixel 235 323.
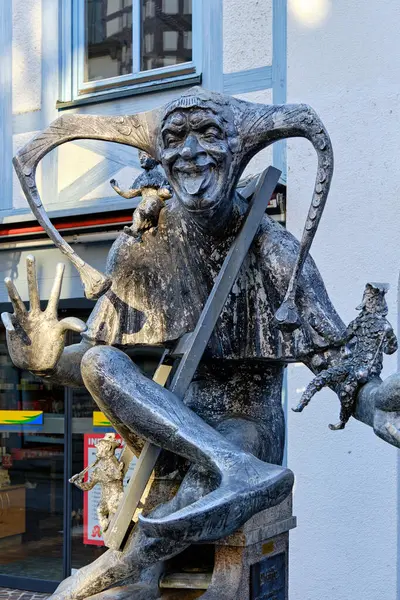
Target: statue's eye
pixel 211 134
pixel 172 140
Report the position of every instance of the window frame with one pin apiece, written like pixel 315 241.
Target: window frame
pixel 73 87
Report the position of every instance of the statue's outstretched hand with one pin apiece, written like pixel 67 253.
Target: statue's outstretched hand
pixel 387 410
pixel 36 338
pixel 378 404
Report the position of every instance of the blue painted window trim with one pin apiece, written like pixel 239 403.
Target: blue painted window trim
pixel 279 74
pixel 6 140
pixel 72 86
pixel 251 80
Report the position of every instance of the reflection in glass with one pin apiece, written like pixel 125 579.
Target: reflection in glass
pixel 31 469
pixel 108 38
pixel 166 33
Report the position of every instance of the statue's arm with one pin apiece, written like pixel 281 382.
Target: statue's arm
pixel 68 369
pixel 390 344
pixel 378 402
pixel 131 193
pixel 85 486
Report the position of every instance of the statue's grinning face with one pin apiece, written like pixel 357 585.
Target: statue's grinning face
pixel 196 157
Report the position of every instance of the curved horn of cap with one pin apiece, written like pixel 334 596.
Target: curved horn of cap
pixel 138 131
pixel 268 124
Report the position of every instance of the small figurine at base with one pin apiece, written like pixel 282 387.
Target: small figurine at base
pixel 109 473
pixel 4 478
pixel 369 336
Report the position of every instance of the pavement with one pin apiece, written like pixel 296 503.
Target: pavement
pixel 8 594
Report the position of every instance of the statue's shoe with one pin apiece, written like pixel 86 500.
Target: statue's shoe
pixel 253 487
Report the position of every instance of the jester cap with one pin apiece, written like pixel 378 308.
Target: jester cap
pixel 250 128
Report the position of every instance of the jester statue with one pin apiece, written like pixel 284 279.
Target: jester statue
pixel 228 431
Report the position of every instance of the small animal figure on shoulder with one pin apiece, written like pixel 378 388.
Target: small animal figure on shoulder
pixel 154 189
pixel 107 471
pixel 364 342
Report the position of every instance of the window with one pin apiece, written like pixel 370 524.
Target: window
pixel 121 43
pixel 47 525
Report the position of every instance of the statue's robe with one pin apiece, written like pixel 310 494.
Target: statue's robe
pixel 160 285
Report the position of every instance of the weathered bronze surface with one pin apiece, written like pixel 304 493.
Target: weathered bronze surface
pixel 363 343
pixel 154 189
pixel 225 438
pixel 106 471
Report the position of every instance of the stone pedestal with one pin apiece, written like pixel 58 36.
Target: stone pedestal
pixel 251 564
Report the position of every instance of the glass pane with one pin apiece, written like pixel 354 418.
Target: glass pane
pixel 108 38
pixel 166 33
pixel 31 474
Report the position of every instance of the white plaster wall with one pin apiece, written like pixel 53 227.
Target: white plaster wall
pixel 247 31
pixel 26 55
pixel 344 60
pixel 19 199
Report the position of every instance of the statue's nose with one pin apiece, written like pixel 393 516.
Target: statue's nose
pixel 190 148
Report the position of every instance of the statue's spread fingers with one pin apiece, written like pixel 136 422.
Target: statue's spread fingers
pixel 18 305
pixel 72 324
pixel 7 322
pixel 32 284
pixel 52 304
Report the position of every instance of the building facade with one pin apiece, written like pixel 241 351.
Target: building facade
pixel 119 57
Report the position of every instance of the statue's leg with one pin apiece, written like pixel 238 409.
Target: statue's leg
pixel 141 551
pixel 102 514
pixel 347 403
pixel 246 484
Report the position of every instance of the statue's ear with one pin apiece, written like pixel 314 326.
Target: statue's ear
pixel 235 144
pixel 139 131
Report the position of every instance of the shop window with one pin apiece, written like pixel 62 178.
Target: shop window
pixel 120 44
pixel 48 526
pixel 31 474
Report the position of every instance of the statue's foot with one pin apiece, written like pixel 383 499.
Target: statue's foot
pixel 133 233
pixel 299 408
pixel 340 425
pixel 249 487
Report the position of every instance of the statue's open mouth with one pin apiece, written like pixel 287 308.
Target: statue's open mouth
pixel 195 180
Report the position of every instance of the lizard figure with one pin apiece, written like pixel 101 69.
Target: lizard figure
pixel 368 336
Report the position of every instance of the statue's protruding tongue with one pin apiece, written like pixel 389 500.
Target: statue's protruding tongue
pixel 194 183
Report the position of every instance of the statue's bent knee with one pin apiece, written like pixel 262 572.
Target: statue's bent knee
pixel 100 362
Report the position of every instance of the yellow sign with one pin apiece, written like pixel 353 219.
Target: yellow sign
pixel 21 417
pixel 100 419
